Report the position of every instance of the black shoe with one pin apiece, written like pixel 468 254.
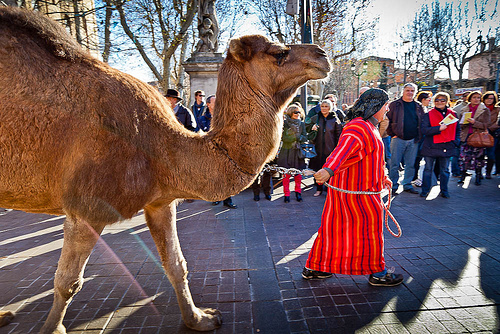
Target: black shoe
pixel 411 191
pixel 390 279
pixel 216 203
pixel 424 194
pixel 230 205
pixel 478 181
pixel 268 197
pixel 299 197
pixel 256 198
pixel 310 274
pixel 444 194
pixel 287 199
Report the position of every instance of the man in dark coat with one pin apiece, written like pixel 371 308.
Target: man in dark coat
pixel 184 115
pixel 404 127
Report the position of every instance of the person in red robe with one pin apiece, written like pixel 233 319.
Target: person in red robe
pixel 350 239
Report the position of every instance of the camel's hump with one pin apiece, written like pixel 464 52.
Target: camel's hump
pixel 46 32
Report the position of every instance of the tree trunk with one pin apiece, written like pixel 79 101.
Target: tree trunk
pixel 76 16
pixel 107 32
pixel 180 68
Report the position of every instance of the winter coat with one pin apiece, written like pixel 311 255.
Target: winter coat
pixel 198 111
pixel 185 117
pixel 481 118
pixel 459 108
pixel 294 134
pixel 205 120
pixel 382 128
pixel 494 120
pixel 437 150
pixel 325 139
pixel 396 119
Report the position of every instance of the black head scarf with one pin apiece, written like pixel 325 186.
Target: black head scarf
pixel 368 104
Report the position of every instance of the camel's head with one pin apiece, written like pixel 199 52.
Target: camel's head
pixel 275 69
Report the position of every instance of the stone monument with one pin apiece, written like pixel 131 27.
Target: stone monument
pixel 203 65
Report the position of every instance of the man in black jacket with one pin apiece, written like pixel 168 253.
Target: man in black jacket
pixel 404 127
pixel 184 115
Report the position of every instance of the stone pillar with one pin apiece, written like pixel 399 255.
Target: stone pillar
pixel 203 69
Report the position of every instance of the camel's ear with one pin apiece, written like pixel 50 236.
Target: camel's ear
pixel 241 48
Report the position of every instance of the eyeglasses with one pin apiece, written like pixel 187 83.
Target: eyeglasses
pixel 296 112
pixel 200 95
pixel 439 100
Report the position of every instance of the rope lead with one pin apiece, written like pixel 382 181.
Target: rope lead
pixel 386 206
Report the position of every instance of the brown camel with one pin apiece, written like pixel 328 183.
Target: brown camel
pixel 81 139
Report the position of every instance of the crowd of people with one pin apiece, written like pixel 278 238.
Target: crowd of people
pixel 411 132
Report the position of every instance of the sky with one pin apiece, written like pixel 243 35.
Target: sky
pixel 393 15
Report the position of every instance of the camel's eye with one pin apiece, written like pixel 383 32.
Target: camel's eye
pixel 281 57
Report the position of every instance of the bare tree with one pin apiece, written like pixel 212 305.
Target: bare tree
pixel 449 35
pixel 157 29
pixel 280 26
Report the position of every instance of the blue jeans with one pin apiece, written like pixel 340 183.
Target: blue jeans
pixel 444 174
pixel 387 150
pixel 455 169
pixel 400 149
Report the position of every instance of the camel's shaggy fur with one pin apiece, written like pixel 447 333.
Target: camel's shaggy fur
pixel 80 138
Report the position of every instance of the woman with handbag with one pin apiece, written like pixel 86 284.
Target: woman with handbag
pixel 490 100
pixel 324 130
pixel 294 134
pixel 474 122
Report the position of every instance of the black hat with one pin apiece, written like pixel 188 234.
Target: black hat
pixel 368 104
pixel 173 93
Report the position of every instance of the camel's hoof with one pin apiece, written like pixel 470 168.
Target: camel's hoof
pixel 6 317
pixel 208 319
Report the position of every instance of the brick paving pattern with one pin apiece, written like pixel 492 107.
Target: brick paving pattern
pixel 247 263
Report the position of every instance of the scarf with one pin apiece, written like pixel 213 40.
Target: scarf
pixel 447 135
pixel 473 113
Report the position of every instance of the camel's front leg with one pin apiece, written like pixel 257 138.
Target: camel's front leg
pixel 79 240
pixel 162 225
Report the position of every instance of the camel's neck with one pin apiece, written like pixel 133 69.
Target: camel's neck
pixel 246 127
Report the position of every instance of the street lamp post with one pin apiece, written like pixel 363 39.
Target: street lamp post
pixel 358 74
pixel 498 77
pixel 406 50
pixel 307 34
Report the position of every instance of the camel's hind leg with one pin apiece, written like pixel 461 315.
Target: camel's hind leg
pixel 79 240
pixel 162 225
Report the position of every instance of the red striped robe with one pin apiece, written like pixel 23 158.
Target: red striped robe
pixel 350 240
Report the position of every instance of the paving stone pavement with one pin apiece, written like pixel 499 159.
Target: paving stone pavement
pixel 247 263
